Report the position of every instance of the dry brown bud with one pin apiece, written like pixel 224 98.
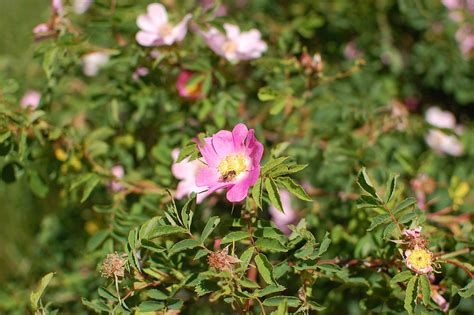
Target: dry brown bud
pixel 113 266
pixel 221 260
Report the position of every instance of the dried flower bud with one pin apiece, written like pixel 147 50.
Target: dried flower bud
pixel 221 259
pixel 312 64
pixel 113 266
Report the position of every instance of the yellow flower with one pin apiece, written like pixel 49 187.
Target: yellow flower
pixel 419 260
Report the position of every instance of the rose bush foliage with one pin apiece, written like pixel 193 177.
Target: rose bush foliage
pixel 254 157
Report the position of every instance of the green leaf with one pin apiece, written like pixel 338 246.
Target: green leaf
pixel 257 193
pixel 273 163
pixel 96 305
pixel 97 239
pixel 324 244
pixel 467 291
pixel 266 94
pixel 425 288
pixel 246 257
pixel 234 236
pixel 364 183
pixel 37 185
pixel 270 244
pixel 401 277
pixel 89 187
pixel 183 245
pixel 201 253
pixel 156 294
pixel 35 296
pixel 276 300
pixel 160 230
pixel 247 283
pixel 106 294
pixel 410 294
pixel 376 221
pixel 407 217
pixel 265 269
pixel 273 194
pixel 189 149
pixel 388 230
pixel 151 306
pixel 211 224
pixel 404 204
pixel 294 188
pixel 391 188
pixel 188 211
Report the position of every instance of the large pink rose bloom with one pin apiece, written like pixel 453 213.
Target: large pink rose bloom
pixel 186 171
pixel 233 162
pixel 31 99
pixel 289 216
pixel 156 30
pixel 235 45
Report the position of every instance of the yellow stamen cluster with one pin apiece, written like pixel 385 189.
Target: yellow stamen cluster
pixel 232 164
pixel 229 47
pixel 419 259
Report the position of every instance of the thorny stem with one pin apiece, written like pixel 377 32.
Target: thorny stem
pixel 261 305
pixel 452 254
pixel 117 289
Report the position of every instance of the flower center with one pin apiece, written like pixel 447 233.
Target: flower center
pixel 231 166
pixel 229 47
pixel 165 30
pixel 419 258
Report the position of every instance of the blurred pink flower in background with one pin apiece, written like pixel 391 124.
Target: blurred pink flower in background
pixel 140 72
pixel 118 172
pixel 443 143
pixel 41 28
pixel 186 171
pixel 413 233
pixel 233 162
pixel 452 4
pixel 289 216
pixel 465 37
pixel 30 99
pixel 235 45
pixel 351 51
pixel 81 6
pixel 58 7
pixel 92 62
pixel 208 4
pixel 155 30
pixel 437 117
pixel 186 90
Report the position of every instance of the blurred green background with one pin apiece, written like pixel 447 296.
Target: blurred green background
pixel 17 207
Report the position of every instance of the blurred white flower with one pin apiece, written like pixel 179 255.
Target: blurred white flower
pixel 30 99
pixel 92 62
pixel 443 143
pixel 81 6
pixel 440 118
pixel 235 45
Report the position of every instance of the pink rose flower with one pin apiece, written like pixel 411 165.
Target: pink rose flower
pixel 81 6
pixel 289 216
pixel 140 72
pixel 439 118
pixel 419 260
pixel 351 51
pixel 465 37
pixel 413 233
pixel 184 89
pixel 186 171
pixel 41 28
pixel 443 143
pixel 235 45
pixel 156 30
pixel 30 99
pixel 452 4
pixel 118 172
pixel 233 162
pixel 57 6
pixel 92 62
